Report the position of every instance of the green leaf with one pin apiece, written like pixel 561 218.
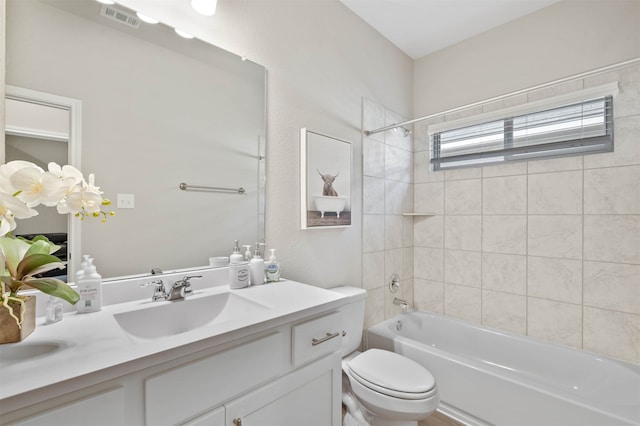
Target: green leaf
pixel 55 288
pixel 38 247
pixel 37 264
pixel 13 249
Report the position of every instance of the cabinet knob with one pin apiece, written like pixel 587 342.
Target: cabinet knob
pixel 237 422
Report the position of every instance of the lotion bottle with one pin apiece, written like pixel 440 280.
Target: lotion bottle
pixel 256 268
pixel 236 256
pixel 89 284
pixel 272 267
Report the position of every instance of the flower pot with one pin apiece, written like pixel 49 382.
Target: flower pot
pixel 10 332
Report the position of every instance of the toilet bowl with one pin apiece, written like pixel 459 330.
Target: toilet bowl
pixel 395 390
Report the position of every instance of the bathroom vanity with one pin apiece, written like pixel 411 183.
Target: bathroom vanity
pixel 265 355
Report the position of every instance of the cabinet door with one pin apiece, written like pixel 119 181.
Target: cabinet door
pixel 309 396
pixel 212 418
pixel 106 408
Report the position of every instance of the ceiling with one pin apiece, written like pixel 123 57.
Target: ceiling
pixel 421 27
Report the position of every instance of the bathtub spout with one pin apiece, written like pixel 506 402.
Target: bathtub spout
pixel 401 302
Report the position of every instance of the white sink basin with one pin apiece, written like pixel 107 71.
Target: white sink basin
pixel 161 319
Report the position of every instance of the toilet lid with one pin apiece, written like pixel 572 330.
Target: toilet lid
pixel 392 374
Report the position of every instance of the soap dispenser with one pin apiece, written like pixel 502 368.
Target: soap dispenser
pixel 247 252
pixel 53 311
pixel 256 268
pixel 272 267
pixel 89 284
pixel 236 256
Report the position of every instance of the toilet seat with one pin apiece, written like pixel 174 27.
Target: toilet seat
pixel 392 374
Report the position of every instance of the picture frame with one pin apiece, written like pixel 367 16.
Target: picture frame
pixel 325 181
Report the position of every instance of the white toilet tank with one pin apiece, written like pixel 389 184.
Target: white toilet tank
pixel 352 317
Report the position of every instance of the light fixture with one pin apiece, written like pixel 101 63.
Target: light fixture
pixel 147 19
pixel 204 7
pixel 183 33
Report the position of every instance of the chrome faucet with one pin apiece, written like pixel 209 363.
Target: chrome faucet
pixel 181 288
pixel 401 302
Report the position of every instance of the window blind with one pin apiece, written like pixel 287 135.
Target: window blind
pixel 573 129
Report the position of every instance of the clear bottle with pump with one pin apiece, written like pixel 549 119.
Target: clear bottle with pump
pixel 256 268
pixel 53 311
pixel 236 256
pixel 89 284
pixel 247 252
pixel 272 267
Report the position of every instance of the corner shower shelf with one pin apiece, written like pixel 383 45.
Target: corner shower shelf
pixel 418 214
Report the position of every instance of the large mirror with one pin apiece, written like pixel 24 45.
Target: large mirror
pixel 157 110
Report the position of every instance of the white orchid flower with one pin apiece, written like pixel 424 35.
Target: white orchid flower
pixel 81 200
pixel 38 187
pixel 10 209
pixel 8 169
pixel 65 172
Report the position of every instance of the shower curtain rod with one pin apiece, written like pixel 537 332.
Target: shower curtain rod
pixel 497 98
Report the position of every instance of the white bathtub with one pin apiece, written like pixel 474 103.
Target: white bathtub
pixel 485 376
pixel 329 204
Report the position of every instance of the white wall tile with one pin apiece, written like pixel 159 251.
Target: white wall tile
pixel 398 197
pixel 407 262
pixel 462 267
pixel 555 321
pixel 372 195
pixel 463 232
pixel 508 102
pixel 504 195
pixel 614 286
pixel 463 196
pixel 398 164
pixel 612 238
pixel 504 272
pixel 373 158
pixel 504 311
pixel 612 333
pixel 407 231
pixel 504 234
pixel 372 233
pixel 507 169
pixel 392 231
pixel 429 231
pixel 626 147
pixel 555 164
pixel 428 295
pixel 463 302
pixel 555 279
pixel 374 307
pixel 393 265
pixel 429 197
pixel 428 263
pixel 555 193
pixel 373 270
pixel 466 173
pixel 555 236
pixel 614 190
pixel 555 90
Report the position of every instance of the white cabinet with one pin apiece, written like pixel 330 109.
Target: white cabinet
pixel 288 375
pixel 309 396
pixel 105 408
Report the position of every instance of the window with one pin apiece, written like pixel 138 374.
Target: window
pixel 571 129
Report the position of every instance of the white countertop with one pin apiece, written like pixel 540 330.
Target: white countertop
pixel 85 349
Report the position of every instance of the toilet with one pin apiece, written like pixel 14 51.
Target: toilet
pixel 394 390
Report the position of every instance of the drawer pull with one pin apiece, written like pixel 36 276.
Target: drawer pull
pixel 237 422
pixel 329 336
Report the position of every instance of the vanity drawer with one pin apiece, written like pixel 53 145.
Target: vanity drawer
pixel 315 338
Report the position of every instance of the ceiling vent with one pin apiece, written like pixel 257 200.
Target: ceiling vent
pixel 125 18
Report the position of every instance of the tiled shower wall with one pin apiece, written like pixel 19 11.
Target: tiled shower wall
pixel 547 248
pixel 387 236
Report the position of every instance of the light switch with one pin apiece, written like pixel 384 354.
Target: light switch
pixel 125 201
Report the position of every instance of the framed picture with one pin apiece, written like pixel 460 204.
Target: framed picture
pixel 325 181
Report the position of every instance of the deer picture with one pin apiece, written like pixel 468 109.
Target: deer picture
pixel 327 188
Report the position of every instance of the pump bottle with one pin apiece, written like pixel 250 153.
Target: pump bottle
pixel 89 284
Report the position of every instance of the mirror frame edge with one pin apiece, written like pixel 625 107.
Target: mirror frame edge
pixel 74 152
